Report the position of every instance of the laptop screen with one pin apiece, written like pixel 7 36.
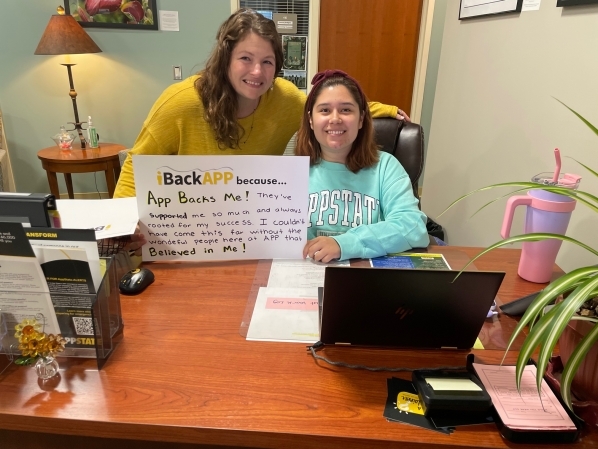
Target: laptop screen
pixel 405 308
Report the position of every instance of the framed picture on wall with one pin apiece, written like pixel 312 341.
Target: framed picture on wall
pixel 477 8
pixel 133 15
pixel 294 51
pixel 575 2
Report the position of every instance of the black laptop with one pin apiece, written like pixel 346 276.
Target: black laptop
pixel 405 308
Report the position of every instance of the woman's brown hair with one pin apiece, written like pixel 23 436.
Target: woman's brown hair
pixel 364 151
pixel 218 96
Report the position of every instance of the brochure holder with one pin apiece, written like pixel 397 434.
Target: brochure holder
pixel 94 336
pixel 106 318
pixel 5 356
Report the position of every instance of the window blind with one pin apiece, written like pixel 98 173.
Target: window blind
pixel 299 7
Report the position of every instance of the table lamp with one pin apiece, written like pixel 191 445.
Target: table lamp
pixel 64 36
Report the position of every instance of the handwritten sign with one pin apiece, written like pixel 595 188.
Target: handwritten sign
pixel 222 207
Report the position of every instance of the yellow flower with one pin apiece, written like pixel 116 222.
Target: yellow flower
pixel 34 343
pixel 32 348
pixel 27 329
pixel 55 344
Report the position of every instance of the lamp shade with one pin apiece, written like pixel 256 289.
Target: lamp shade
pixel 64 36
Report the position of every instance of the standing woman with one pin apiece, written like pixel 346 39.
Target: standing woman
pixel 236 105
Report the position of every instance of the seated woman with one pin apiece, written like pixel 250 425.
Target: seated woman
pixel 361 204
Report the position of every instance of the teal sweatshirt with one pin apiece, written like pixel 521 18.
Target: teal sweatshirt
pixel 370 213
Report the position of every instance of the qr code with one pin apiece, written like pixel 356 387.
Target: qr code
pixel 83 326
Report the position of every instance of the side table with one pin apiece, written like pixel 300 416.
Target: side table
pixel 105 158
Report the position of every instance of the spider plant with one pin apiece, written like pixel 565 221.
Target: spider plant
pixel 577 286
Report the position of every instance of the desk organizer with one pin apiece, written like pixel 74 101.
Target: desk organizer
pixel 106 325
pixel 91 323
pixel 5 359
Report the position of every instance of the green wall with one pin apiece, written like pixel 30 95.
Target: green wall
pixel 116 87
pixel 432 73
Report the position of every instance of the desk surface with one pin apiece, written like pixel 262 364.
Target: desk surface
pixel 183 375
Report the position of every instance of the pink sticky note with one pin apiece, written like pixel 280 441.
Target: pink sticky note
pixel 273 302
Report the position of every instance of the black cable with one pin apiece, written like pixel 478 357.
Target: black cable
pixel 96 182
pixel 319 345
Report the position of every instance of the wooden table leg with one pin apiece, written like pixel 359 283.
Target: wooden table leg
pixel 116 165
pixel 110 182
pixel 69 185
pixel 53 182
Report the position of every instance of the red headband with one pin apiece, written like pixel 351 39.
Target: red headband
pixel 320 77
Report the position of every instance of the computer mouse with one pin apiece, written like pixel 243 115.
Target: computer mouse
pixel 135 281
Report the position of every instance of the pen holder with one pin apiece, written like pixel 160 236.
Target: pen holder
pixel 546 212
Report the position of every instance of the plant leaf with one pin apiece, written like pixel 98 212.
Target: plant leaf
pixel 584 166
pixel 533 237
pixel 574 362
pixel 532 341
pixel 588 124
pixel 584 318
pixel 567 309
pixel 524 186
pixel 550 292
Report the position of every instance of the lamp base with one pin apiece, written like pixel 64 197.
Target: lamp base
pixel 78 127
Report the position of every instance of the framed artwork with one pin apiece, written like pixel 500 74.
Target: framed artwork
pixel 133 15
pixel 298 78
pixel 477 8
pixel 575 2
pixel 294 50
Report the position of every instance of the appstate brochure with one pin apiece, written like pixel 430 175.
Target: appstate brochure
pixel 24 292
pixel 421 261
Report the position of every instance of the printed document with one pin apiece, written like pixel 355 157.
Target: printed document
pixel 24 292
pixel 285 314
pixel 113 217
pixel 421 261
pixel 523 410
pixel 299 273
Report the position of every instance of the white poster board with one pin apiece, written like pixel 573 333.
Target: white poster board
pixel 206 208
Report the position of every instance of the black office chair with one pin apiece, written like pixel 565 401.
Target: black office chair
pixel 405 141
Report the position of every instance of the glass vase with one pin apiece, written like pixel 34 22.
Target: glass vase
pixel 46 367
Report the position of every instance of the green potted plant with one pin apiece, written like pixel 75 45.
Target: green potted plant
pixel 577 287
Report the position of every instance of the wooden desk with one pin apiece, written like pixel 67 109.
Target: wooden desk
pixel 104 158
pixel 183 375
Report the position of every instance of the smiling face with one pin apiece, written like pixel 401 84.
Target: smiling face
pixel 251 70
pixel 336 120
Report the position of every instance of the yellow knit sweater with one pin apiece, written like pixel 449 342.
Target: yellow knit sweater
pixel 175 125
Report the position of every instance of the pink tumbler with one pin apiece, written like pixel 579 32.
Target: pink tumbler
pixel 546 212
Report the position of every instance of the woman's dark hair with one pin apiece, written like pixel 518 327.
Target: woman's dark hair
pixel 218 96
pixel 364 151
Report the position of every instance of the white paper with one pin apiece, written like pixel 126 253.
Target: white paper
pixel 24 292
pixel 299 273
pixel 285 314
pixel 452 384
pixel 16 306
pixel 530 5
pixel 169 20
pixel 21 274
pixel 222 207
pixel 470 8
pixel 522 410
pixel 113 217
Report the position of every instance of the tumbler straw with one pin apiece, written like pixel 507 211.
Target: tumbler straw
pixel 557 170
